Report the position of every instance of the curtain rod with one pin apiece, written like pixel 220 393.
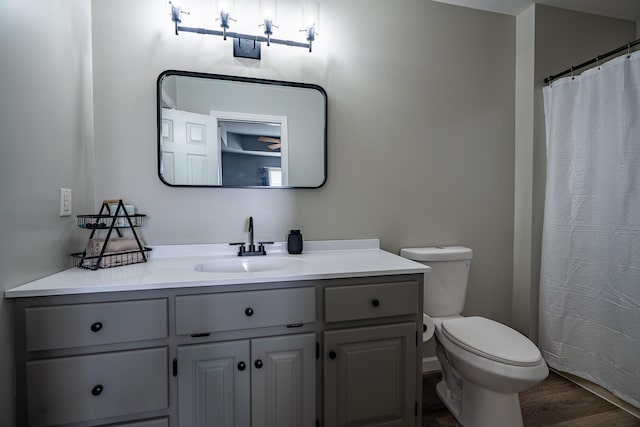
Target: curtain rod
pixel 627 46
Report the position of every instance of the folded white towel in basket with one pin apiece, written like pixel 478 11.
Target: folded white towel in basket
pixel 118 244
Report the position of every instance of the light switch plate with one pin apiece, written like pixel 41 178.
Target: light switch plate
pixel 65 202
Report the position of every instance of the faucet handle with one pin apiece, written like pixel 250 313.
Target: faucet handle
pixel 241 250
pixel 261 246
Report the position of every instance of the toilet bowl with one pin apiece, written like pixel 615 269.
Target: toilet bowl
pixel 485 364
pixel 489 365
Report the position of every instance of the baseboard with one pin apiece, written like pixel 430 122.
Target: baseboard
pixel 430 364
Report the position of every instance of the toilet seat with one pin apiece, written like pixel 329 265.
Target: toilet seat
pixel 492 340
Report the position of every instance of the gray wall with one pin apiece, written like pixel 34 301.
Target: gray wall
pixel 551 40
pixel 421 131
pixel 46 143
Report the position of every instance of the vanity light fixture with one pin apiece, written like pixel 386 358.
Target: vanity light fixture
pixel 246 45
pixel 268 12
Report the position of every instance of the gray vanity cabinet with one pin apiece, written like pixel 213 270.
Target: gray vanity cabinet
pixel 370 372
pixel 327 352
pixel 370 376
pixel 266 382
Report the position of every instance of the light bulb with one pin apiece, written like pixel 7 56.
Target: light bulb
pixel 268 10
pixel 311 14
pixel 226 6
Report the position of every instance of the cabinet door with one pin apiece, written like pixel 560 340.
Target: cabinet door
pixel 370 376
pixel 283 380
pixel 214 385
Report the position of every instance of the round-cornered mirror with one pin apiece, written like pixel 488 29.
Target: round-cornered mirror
pixel 226 131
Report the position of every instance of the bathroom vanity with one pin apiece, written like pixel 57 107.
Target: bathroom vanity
pixel 327 338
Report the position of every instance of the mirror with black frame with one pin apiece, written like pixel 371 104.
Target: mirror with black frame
pixel 226 131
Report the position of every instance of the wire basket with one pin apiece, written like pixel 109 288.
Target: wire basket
pixel 103 222
pixel 115 259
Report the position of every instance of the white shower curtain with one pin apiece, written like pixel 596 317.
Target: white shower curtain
pixel 590 272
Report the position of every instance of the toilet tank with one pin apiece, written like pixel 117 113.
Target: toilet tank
pixel 446 288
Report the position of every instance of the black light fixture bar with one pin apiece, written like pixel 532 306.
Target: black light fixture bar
pixel 243 36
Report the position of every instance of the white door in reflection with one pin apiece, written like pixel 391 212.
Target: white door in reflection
pixel 190 148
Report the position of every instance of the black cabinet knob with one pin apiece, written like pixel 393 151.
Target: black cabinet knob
pixel 241 366
pixel 375 302
pixel 248 311
pixel 96 327
pixel 97 390
pixel 258 364
pixel 332 355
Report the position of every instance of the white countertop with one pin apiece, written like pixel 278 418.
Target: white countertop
pixel 172 266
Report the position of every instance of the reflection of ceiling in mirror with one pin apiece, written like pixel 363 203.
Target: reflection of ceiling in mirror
pixel 250 137
pixel 252 128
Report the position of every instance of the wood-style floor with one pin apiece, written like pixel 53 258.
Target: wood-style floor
pixel 556 402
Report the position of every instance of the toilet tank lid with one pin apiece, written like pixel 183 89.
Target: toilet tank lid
pixel 437 253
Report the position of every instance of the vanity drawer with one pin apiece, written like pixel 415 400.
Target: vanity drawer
pixel 82 388
pixel 342 303
pixel 244 310
pixel 74 325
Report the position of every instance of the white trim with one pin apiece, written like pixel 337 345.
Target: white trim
pixel 167 101
pixel 430 364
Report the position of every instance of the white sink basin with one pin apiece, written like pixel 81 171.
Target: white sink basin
pixel 249 264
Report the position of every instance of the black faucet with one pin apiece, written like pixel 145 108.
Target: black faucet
pixel 252 246
pixel 251 249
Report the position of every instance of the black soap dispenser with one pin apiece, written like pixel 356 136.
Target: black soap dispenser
pixel 294 242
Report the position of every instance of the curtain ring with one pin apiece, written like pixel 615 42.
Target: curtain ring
pixel 598 61
pixel 572 74
pixel 628 50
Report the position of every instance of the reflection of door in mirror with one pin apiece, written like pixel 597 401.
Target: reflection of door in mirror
pixel 190 151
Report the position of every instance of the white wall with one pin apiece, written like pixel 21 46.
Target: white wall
pixel 45 143
pixel 522 238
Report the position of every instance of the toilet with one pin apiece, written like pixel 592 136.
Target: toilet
pixel 485 364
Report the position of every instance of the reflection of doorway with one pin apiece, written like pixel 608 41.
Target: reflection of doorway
pixel 190 150
pixel 254 149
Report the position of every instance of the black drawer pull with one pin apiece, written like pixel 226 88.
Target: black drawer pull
pixel 295 325
pixel 258 364
pixel 200 335
pixel 375 302
pixel 332 355
pixel 96 327
pixel 248 311
pixel 97 390
pixel 241 366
